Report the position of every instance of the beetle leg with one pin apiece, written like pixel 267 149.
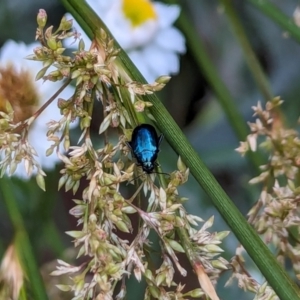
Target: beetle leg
pixel 128 145
pixel 160 138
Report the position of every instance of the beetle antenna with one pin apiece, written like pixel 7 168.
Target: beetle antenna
pixel 134 178
pixel 162 173
pixel 149 174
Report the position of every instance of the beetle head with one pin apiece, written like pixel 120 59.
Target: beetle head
pixel 148 167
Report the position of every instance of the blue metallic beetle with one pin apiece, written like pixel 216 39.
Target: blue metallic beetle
pixel 144 145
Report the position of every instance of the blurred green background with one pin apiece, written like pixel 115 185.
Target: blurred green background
pixel 192 103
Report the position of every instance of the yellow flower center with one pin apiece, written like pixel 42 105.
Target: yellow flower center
pixel 18 88
pixel 138 11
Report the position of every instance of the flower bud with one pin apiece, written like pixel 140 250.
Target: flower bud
pixel 163 79
pixel 41 18
pixel 52 44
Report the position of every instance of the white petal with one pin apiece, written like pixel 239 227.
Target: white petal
pixel 14 53
pixel 121 30
pixel 161 62
pixel 167 14
pixel 141 35
pixel 101 7
pixel 171 39
pixel 138 59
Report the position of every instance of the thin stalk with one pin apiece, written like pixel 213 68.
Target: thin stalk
pixel 249 55
pixel 275 14
pixel 22 242
pixel 258 251
pixel 201 56
pixel 202 59
pixel 54 239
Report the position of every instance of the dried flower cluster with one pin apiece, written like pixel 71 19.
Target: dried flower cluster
pixel 104 214
pixel 246 281
pixel 275 215
pixel 14 146
pixel 11 274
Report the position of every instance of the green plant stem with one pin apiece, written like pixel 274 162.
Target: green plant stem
pixel 275 14
pixel 203 61
pixel 197 48
pixel 22 242
pixel 54 239
pixel 270 268
pixel 22 295
pixel 251 59
pixel 238 224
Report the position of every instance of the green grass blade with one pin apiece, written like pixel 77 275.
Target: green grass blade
pixel 22 242
pixel 198 50
pixel 275 14
pixel 250 57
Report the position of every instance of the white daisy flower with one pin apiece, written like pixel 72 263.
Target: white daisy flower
pixel 144 30
pixel 18 86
